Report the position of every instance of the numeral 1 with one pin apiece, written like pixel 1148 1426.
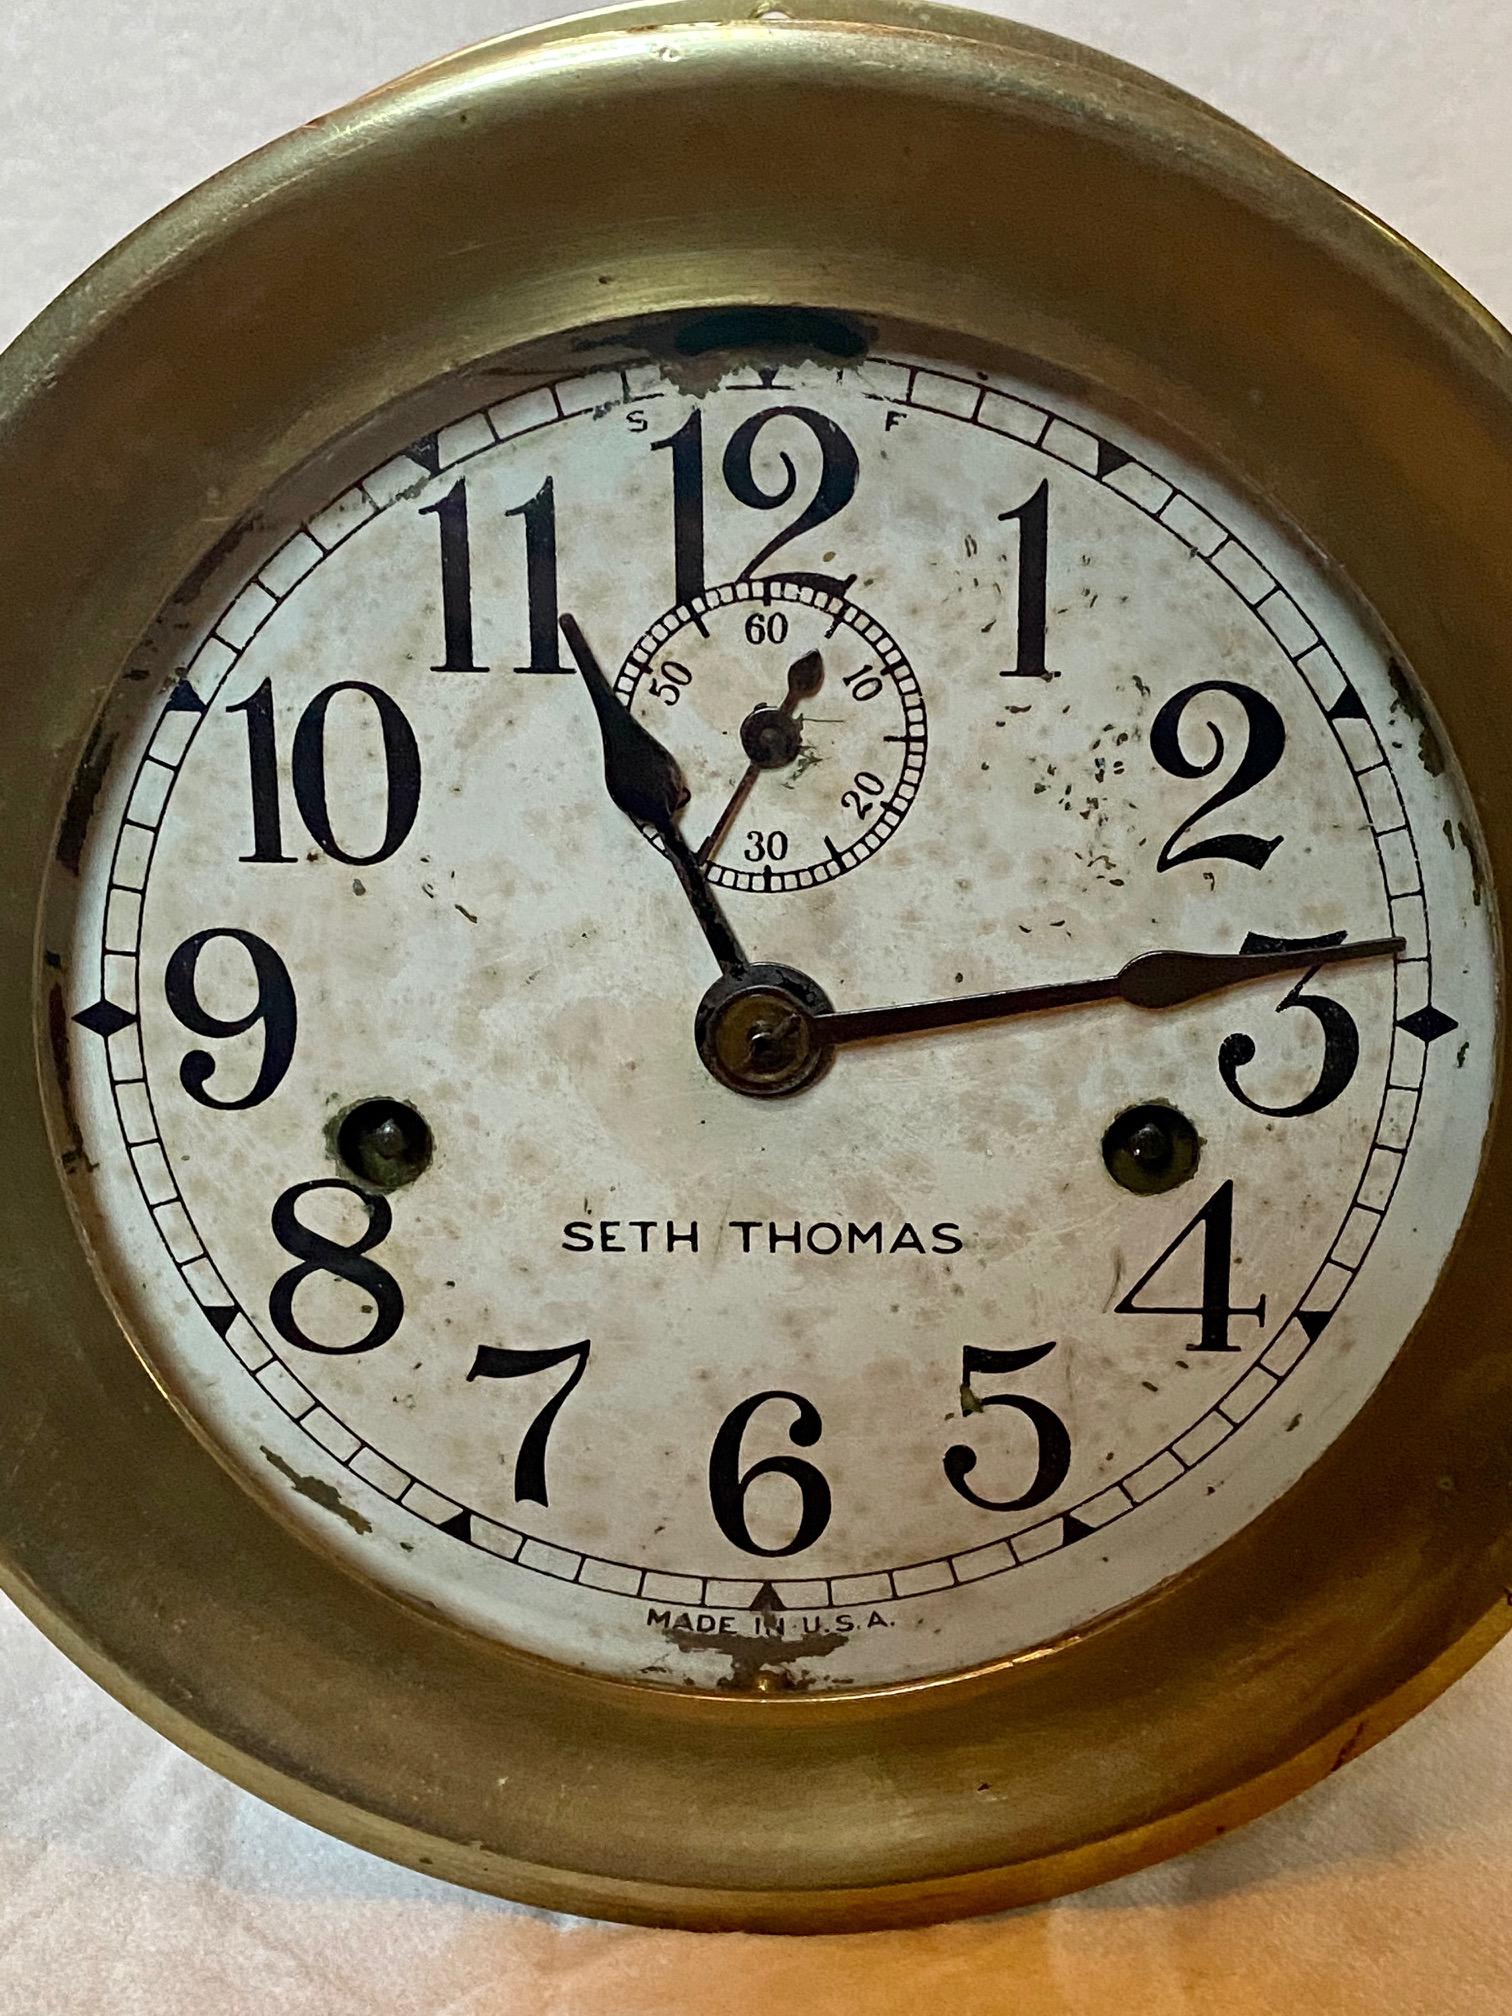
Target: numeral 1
pixel 539 515
pixel 262 764
pixel 450 514
pixel 686 447
pixel 1033 520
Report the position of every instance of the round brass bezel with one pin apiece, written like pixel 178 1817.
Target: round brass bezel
pixel 939 170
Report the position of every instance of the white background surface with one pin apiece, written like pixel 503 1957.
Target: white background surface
pixel 131 1879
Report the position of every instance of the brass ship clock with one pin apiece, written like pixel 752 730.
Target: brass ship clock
pixel 755 783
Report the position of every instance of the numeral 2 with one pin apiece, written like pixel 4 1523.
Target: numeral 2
pixel 1264 743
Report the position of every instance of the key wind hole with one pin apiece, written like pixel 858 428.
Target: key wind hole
pixel 384 1143
pixel 1151 1149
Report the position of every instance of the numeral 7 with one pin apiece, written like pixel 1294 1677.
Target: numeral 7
pixel 492 1362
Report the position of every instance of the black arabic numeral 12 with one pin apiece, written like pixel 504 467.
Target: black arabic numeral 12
pixel 401 756
pixel 493 1362
pixel 1264 743
pixel 1033 520
pixel 1215 1224
pixel 450 514
pixel 274 1008
pixel 1341 1036
pixel 316 1254
pixel 728 1484
pixel 1052 1442
pixel 839 469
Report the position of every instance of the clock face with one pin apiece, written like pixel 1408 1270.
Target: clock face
pixel 597 1323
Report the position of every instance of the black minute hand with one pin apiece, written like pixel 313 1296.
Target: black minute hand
pixel 647 785
pixel 1153 980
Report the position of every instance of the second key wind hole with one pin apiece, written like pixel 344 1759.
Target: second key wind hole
pixel 1150 1149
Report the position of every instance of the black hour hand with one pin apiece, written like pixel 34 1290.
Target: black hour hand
pixel 644 778
pixel 647 785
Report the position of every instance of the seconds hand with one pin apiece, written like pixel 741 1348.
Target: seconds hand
pixel 771 740
pixel 647 785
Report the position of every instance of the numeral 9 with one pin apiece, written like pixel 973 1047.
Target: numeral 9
pixel 274 1008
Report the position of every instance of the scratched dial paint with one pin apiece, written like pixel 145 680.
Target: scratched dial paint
pixel 939 1357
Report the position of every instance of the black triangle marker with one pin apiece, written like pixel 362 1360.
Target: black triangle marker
pixel 1109 458
pixel 459 1527
pixel 1075 1529
pixel 222 1319
pixel 1314 1322
pixel 766 1598
pixel 1348 706
pixel 427 452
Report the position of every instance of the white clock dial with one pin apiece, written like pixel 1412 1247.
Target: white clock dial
pixel 409 1178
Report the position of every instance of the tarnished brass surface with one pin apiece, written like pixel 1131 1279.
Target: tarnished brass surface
pixel 948 172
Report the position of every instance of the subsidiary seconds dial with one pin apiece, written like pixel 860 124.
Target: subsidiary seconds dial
pixel 799 726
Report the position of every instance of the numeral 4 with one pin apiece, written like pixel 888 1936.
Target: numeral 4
pixel 1214 1224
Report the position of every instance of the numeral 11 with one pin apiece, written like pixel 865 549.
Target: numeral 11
pixel 538 515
